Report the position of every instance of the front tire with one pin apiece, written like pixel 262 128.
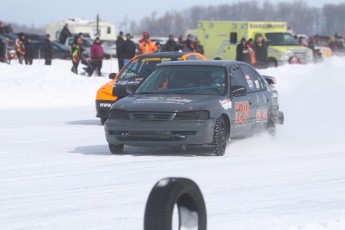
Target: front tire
pixel 220 137
pixel 116 149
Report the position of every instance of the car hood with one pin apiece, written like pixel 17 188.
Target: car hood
pixel 166 103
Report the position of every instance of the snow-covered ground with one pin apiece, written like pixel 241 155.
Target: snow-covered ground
pixel 56 171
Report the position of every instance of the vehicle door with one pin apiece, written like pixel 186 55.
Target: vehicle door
pixel 260 98
pixel 241 125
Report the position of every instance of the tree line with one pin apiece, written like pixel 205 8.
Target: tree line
pixel 302 18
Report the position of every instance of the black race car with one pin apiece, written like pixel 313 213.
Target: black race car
pixel 188 103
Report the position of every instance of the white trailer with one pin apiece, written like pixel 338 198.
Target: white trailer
pixel 106 29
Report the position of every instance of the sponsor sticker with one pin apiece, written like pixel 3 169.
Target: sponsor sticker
pixel 241 113
pixel 226 103
pixel 162 100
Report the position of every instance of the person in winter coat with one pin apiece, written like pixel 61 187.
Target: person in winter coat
pixel 97 55
pixel 29 52
pixel 129 49
pixel 250 44
pixel 190 43
pixel 146 45
pixel 20 51
pixel 241 50
pixel 170 45
pixel 260 49
pixel 65 33
pixel 120 50
pixel 75 53
pixel 48 50
pixel 2 51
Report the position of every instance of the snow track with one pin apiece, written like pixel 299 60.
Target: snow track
pixel 56 171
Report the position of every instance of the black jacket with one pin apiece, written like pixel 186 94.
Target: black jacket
pixel 29 50
pixel 170 46
pixel 48 49
pixel 2 51
pixel 129 49
pixel 120 47
pixel 260 52
pixel 65 33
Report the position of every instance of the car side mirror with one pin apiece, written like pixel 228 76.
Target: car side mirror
pixel 270 80
pixel 130 89
pixel 112 76
pixel 238 90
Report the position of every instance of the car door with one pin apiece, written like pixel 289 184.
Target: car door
pixel 257 90
pixel 241 125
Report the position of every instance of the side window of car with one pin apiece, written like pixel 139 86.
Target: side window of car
pixel 253 79
pixel 237 77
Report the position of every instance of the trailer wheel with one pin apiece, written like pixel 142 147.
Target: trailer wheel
pixel 168 193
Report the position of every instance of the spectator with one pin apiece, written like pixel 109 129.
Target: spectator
pixel 129 49
pixel 170 45
pixel 1 28
pixel 75 53
pixel 146 45
pixel 120 50
pixel 48 50
pixel 158 45
pixel 20 51
pixel 242 52
pixel 181 43
pixel 29 51
pixel 198 47
pixel 65 33
pixel 2 51
pixel 97 55
pixel 260 49
pixel 190 43
pixel 250 44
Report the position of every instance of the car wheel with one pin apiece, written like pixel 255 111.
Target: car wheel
pixel 169 193
pixel 116 149
pixel 220 137
pixel 271 126
pixel 272 62
pixel 103 120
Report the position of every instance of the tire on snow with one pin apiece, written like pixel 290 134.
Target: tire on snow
pixel 116 149
pixel 220 137
pixel 169 192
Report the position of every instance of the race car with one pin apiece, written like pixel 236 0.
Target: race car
pixel 134 72
pixel 195 103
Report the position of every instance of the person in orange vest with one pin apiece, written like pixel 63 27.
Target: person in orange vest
pixel 20 51
pixel 146 45
pixel 250 44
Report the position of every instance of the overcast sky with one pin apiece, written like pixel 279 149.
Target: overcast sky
pixel 41 12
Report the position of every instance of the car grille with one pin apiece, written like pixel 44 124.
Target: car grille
pixel 301 55
pixel 152 116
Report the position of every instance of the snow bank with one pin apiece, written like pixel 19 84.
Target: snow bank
pixel 38 85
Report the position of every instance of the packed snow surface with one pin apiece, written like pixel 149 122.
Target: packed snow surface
pixel 56 171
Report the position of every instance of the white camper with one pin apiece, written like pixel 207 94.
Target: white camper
pixel 80 25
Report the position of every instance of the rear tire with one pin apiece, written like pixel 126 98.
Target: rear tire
pixel 103 120
pixel 116 149
pixel 271 126
pixel 220 137
pixel 272 63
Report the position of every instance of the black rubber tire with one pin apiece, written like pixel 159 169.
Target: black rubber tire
pixel 272 63
pixel 272 126
pixel 220 137
pixel 161 202
pixel 116 149
pixel 103 120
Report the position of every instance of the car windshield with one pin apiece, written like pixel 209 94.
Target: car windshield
pixel 194 80
pixel 142 67
pixel 60 46
pixel 281 39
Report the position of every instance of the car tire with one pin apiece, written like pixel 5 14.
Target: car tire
pixel 103 120
pixel 168 193
pixel 220 137
pixel 272 126
pixel 272 63
pixel 116 149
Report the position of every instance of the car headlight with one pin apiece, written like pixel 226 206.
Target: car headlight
pixel 193 115
pixel 117 114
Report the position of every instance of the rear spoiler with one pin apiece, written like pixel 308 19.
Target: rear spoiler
pixel 270 80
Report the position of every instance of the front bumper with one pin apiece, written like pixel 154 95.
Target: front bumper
pixel 152 133
pixel 103 108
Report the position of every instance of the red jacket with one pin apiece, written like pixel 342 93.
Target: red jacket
pixel 96 51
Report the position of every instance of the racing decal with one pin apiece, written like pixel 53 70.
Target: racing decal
pixel 136 81
pixel 241 113
pixel 105 105
pixel 226 103
pixel 162 100
pixel 250 82
pixel 257 84
pixel 261 116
